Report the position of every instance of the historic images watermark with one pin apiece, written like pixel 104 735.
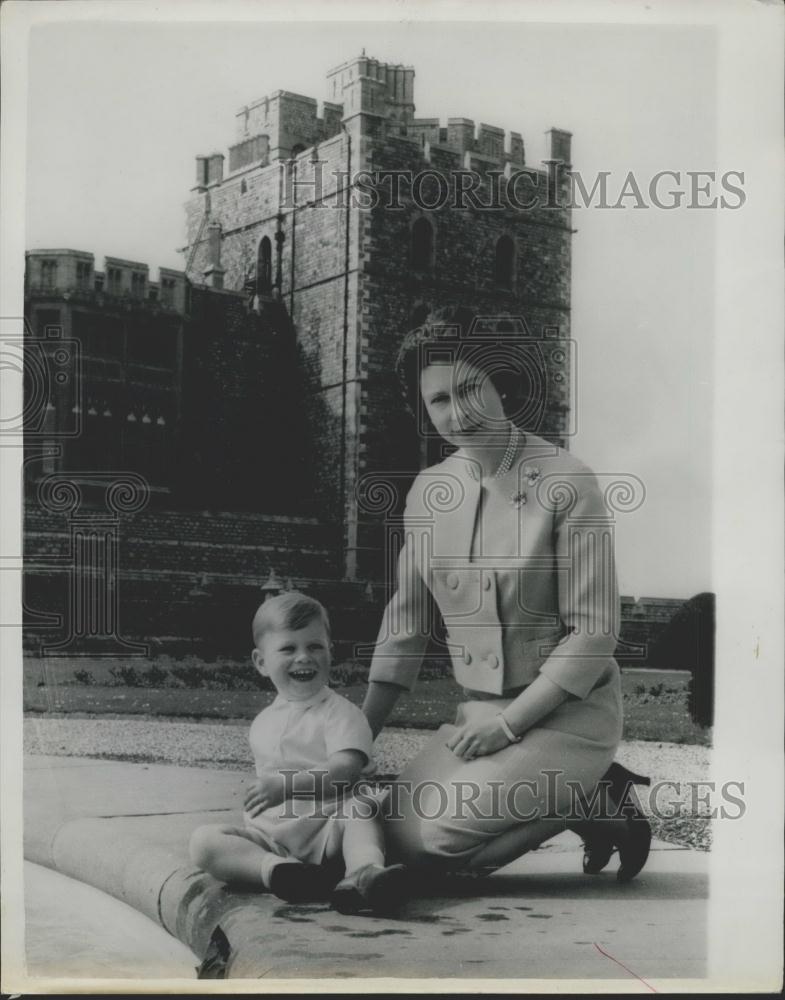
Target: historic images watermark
pixel 53 415
pixel 550 796
pixel 522 189
pixel 51 367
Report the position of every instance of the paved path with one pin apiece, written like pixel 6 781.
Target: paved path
pixel 73 931
pixel 124 828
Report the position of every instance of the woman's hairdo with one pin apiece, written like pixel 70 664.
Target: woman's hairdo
pixel 287 611
pixel 455 334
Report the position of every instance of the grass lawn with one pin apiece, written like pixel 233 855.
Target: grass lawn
pixel 655 703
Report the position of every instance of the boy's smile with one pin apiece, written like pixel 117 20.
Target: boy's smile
pixel 297 661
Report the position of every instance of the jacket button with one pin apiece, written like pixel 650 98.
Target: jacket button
pixel 493 661
pixel 467 657
pixel 452 581
pixel 486 583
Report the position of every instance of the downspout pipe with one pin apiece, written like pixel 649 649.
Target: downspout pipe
pixel 345 351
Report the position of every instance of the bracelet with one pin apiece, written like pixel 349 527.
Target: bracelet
pixel 506 729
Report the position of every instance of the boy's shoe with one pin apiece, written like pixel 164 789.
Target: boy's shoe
pixel 371 887
pixel 297 882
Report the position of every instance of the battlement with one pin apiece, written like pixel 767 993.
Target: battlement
pixel 280 126
pixel 60 272
pixel 460 136
pixel 366 86
pixel 285 124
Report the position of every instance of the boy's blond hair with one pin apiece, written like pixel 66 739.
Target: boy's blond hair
pixel 287 611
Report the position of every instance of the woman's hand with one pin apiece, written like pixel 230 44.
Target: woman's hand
pixel 266 791
pixel 478 739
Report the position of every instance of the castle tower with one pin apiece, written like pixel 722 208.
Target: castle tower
pixel 295 219
pixel 369 86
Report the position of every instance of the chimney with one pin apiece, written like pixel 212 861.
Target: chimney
pixel 214 273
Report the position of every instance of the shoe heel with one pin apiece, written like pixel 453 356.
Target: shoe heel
pixel 635 853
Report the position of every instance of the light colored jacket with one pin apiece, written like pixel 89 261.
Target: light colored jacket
pixel 550 607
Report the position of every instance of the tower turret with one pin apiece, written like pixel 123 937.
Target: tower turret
pixel 365 85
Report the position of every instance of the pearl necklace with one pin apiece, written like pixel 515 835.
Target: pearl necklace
pixel 507 458
pixel 512 450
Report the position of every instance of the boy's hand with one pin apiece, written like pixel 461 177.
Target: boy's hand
pixel 266 791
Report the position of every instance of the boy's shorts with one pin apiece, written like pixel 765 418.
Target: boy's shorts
pixel 313 841
pixel 302 830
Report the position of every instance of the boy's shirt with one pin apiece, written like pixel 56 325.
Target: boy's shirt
pixel 302 735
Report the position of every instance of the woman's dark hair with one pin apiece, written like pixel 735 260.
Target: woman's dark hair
pixel 455 334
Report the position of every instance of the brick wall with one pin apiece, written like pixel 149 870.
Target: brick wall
pixel 166 559
pixel 196 577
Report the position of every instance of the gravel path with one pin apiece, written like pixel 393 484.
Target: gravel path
pixel 222 745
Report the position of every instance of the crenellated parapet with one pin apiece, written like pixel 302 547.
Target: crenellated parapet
pixel 464 142
pixel 366 86
pixel 280 126
pixel 63 273
pixel 376 98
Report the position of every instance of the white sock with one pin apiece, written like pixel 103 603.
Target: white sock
pixel 361 859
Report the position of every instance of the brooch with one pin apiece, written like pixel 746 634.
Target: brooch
pixel 531 474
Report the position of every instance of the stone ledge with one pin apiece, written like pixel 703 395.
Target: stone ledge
pixel 124 828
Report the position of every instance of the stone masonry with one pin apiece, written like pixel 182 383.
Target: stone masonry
pixel 301 214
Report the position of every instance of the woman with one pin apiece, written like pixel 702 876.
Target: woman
pixel 511 537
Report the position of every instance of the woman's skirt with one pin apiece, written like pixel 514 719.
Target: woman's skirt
pixel 489 810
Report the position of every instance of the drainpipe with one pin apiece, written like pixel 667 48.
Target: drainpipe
pixel 345 346
pixel 279 238
pixel 294 224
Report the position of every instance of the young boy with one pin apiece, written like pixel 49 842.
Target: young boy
pixel 309 746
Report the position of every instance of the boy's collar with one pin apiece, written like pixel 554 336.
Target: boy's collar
pixel 316 699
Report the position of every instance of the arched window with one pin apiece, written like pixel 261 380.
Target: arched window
pixel 504 266
pixel 264 267
pixel 422 245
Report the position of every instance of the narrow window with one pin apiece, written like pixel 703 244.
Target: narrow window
pixel 167 291
pixel 264 267
pixel 422 245
pixel 83 273
pixel 49 273
pixel 505 262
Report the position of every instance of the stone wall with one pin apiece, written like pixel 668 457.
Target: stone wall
pixel 193 580
pixel 341 269
pixel 194 576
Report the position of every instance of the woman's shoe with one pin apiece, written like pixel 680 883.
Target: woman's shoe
pixel 600 840
pixel 598 846
pixel 634 853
